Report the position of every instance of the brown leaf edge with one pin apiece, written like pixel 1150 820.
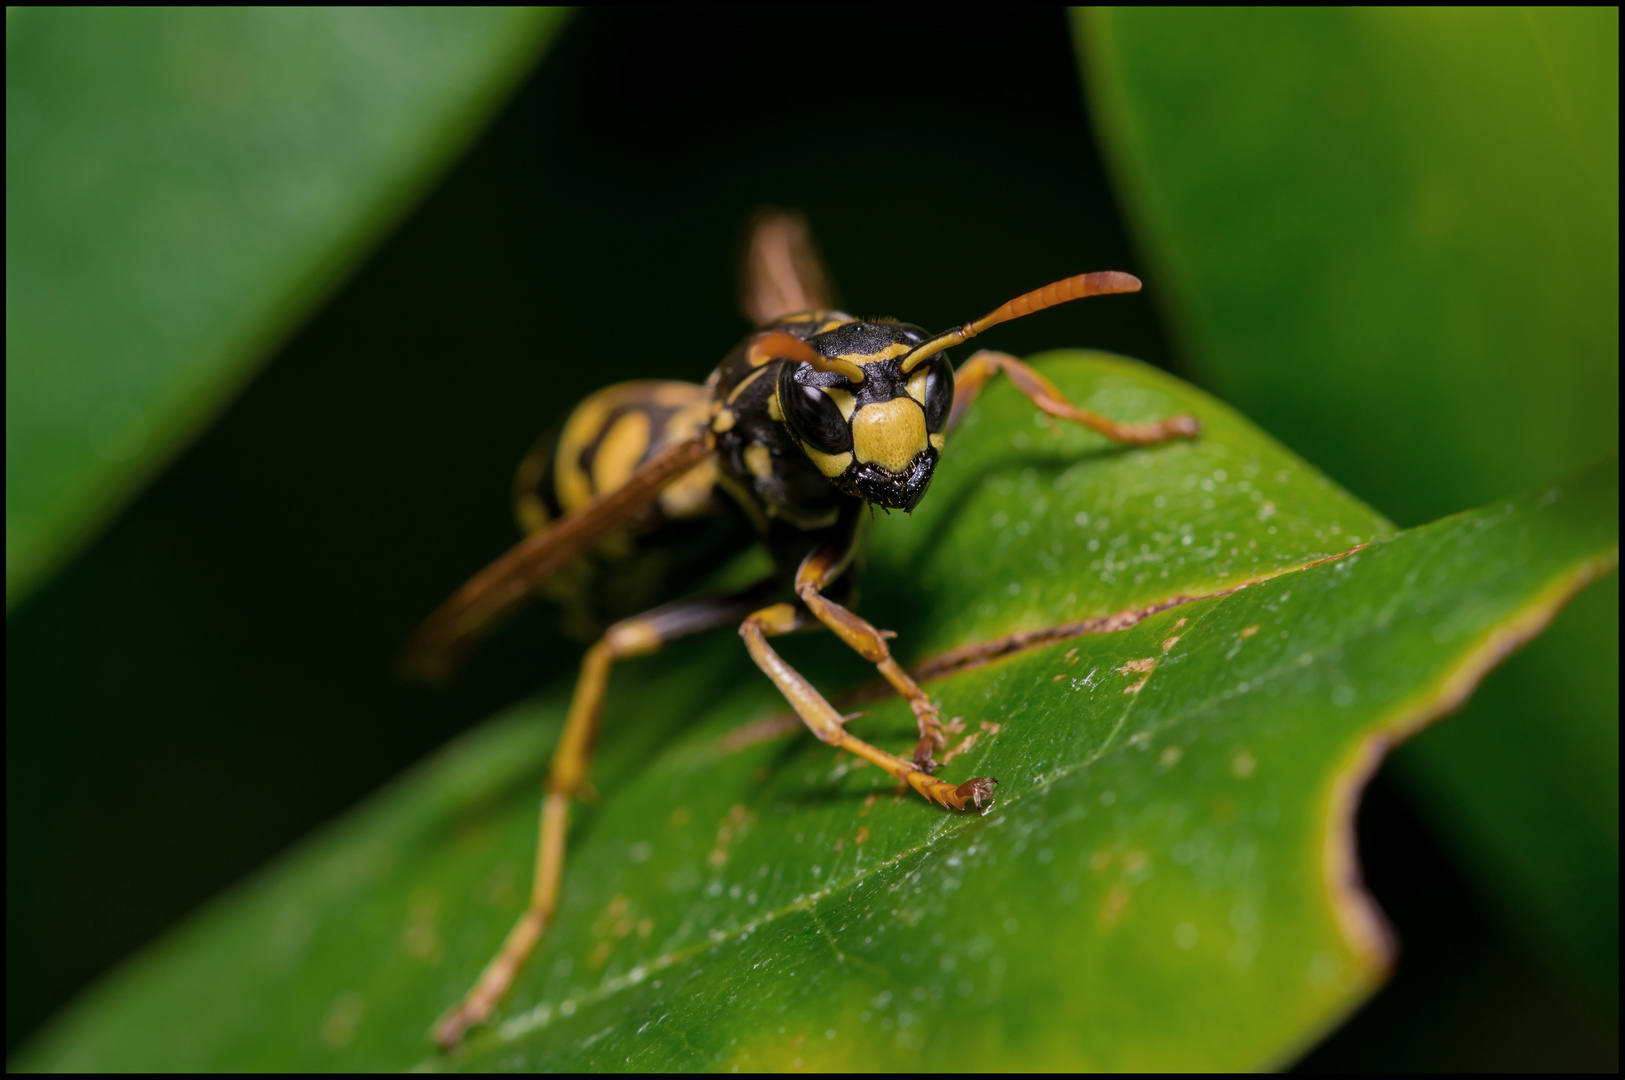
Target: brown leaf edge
pixel 1364 927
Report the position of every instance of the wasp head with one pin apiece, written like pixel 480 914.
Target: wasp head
pixel 879 438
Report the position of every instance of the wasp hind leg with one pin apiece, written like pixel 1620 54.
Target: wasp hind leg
pixel 567 780
pixel 983 366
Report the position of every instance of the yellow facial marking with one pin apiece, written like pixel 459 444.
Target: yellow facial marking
pixel 758 461
pixel 937 441
pixel 887 353
pixel 773 409
pixel 889 433
pixel 843 400
pixel 831 465
pixel 916 384
pixel 620 450
pixel 724 421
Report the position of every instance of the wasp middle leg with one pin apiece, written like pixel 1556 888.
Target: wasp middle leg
pixel 567 780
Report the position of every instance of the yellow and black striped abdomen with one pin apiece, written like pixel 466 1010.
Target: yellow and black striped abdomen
pixel 664 547
pixel 608 435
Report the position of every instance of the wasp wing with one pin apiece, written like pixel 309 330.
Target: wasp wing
pixel 782 274
pixel 495 593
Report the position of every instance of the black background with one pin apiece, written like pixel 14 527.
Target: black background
pixel 210 681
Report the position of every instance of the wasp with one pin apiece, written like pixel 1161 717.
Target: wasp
pixel 810 422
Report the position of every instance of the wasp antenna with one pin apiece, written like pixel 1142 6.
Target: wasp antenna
pixel 1100 283
pixel 778 345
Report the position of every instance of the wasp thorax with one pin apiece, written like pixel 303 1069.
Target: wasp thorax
pixel 878 438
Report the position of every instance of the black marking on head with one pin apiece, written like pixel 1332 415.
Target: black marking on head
pixel 818 423
pixel 866 338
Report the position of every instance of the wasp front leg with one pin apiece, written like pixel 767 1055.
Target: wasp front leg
pixel 816 572
pixel 820 716
pixel 567 780
pixel 983 366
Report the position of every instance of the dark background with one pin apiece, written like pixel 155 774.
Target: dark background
pixel 211 681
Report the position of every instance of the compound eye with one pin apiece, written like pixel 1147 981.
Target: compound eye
pixel 939 392
pixel 812 414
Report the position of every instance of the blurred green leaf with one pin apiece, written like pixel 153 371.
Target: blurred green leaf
pixel 1167 879
pixel 1392 237
pixel 182 186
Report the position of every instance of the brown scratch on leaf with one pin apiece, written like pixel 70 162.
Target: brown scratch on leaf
pixel 611 917
pixel 1170 642
pixel 965 744
pixel 734 822
pixel 1135 667
pixel 863 834
pixel 968 657
pixel 1248 631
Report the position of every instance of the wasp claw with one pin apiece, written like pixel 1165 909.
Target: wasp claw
pixel 975 791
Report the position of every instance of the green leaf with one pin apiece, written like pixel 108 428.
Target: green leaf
pixel 182 186
pixel 1167 878
pixel 1392 237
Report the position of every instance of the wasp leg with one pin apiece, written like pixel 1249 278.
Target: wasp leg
pixel 817 571
pixel 826 723
pixel 567 779
pixel 983 366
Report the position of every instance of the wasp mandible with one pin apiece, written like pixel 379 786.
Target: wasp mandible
pixel 814 419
